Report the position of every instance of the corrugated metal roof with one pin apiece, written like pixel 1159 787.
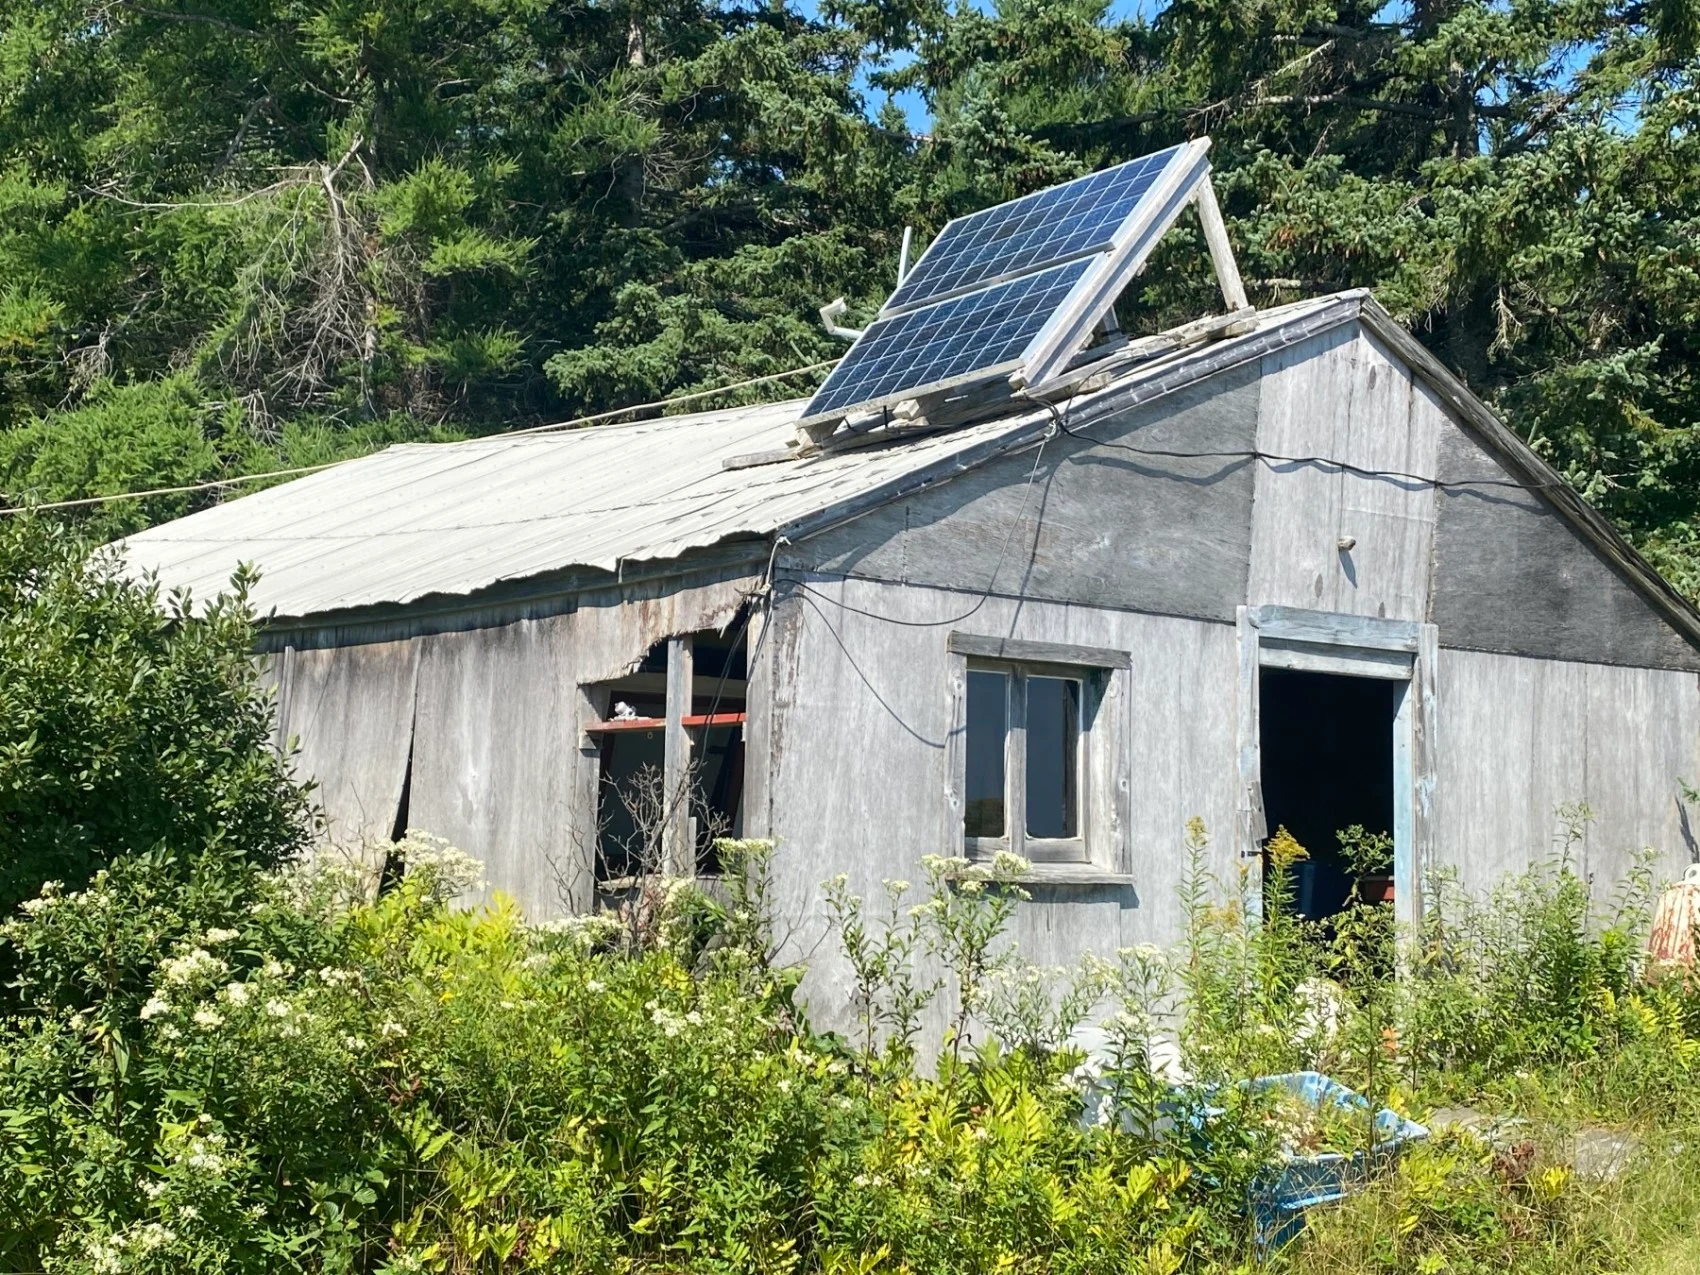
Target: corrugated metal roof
pixel 419 520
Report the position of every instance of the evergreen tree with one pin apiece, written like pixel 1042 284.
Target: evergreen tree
pixel 239 233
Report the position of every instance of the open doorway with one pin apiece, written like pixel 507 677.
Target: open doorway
pixel 1327 763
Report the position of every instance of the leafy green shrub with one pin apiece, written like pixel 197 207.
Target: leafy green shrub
pixel 129 723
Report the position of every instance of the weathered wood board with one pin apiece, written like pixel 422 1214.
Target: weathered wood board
pixel 1348 439
pixel 1519 737
pixel 1154 515
pixel 351 709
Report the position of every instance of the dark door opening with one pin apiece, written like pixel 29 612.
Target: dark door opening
pixel 1327 763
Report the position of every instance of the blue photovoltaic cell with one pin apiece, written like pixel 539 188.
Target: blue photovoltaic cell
pixel 912 351
pixel 1049 226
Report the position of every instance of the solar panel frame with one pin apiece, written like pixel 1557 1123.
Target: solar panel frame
pixel 1065 321
pixel 1075 219
pixel 1070 325
pixel 969 337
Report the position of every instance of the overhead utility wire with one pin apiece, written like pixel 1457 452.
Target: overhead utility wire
pixel 577 422
pixel 991 583
pixel 1060 423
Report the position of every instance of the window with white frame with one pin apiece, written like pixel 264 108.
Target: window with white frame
pixel 1035 741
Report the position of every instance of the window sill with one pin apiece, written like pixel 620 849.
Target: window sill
pixel 1081 874
pixel 1075 874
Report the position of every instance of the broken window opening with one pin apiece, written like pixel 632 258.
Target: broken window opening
pixel 637 801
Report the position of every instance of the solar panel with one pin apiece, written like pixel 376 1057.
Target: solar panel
pixel 981 333
pixel 1041 229
pixel 1014 289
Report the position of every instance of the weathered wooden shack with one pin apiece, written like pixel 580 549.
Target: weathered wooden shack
pixel 1280 571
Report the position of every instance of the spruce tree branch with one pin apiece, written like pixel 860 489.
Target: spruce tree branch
pixel 193 19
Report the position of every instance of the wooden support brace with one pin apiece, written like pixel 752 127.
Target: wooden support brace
pixel 1221 251
pixel 677 844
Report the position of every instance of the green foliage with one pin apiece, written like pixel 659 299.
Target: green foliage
pixel 227 226
pixel 309 1080
pixel 129 723
pixel 233 1069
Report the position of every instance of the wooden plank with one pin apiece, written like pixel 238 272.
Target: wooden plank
pixel 1001 648
pixel 1407 904
pixel 1306 400
pixel 352 710
pixel 690 721
pixel 1394 430
pixel 758 727
pixel 677 842
pixel 1309 657
pixel 496 759
pixel 1221 250
pixel 1425 752
pixel 1299 624
pixel 956 749
pixel 1344 512
pixel 1295 624
pixel 1251 827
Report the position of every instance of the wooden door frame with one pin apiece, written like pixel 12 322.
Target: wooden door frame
pixel 1401 651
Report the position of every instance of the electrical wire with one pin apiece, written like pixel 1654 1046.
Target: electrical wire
pixel 1274 458
pixel 168 491
pixel 580 421
pixel 991 583
pixel 1059 420
pixel 576 423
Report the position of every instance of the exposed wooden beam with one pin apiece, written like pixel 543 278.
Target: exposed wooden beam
pixel 1221 251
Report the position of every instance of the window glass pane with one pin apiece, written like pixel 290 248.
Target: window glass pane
pixel 1053 749
pixel 988 724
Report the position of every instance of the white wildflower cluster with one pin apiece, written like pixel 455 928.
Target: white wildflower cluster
pixel 238 994
pixel 389 1029
pixel 203 1155
pixel 110 1254
pixel 51 893
pixel 670 1023
pixel 589 931
pixel 207 1018
pixel 334 976
pixel 446 870
pixel 217 936
pixel 156 1007
pixel 196 965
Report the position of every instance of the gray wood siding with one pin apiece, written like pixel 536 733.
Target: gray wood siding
pixel 860 742
pixel 494 718
pixel 1518 737
pixel 494 756
pixel 1512 576
pixel 1086 522
pixel 1338 415
pixel 351 711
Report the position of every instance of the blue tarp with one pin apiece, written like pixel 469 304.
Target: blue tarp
pixel 1301 1181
